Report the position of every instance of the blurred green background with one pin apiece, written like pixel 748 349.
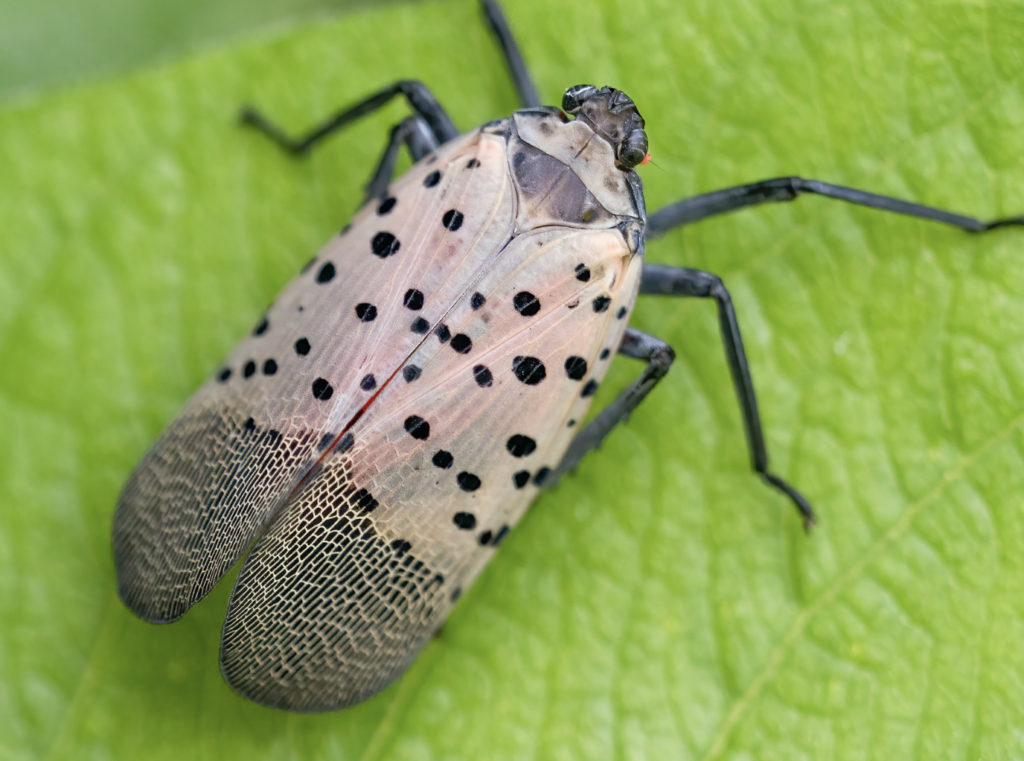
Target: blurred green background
pixel 55 43
pixel 662 602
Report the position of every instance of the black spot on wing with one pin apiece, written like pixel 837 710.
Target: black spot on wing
pixel 366 312
pixel 364 501
pixel 346 443
pixel 384 244
pixel 526 303
pixel 468 481
pixel 452 219
pixel 417 427
pixel 461 343
pixel 576 368
pixel 482 376
pixel 529 370
pixel 322 390
pixel 519 445
pixel 326 273
pixel 413 299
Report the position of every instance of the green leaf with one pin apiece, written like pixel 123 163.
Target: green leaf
pixel 662 602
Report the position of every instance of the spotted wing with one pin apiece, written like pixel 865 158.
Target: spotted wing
pixel 333 338
pixel 355 575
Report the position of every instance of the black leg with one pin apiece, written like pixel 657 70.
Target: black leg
pixel 658 279
pixel 787 189
pixel 420 99
pixel 513 58
pixel 638 345
pixel 416 134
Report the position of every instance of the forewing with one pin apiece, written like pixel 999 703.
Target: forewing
pixel 330 342
pixel 353 578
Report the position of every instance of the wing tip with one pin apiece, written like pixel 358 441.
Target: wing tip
pixel 286 696
pixel 149 608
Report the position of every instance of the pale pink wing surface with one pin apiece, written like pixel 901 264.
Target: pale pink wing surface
pixel 353 577
pixel 331 341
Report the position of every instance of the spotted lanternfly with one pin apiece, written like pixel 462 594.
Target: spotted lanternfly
pixel 396 410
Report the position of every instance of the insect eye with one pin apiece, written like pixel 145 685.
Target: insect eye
pixel 633 150
pixel 576 96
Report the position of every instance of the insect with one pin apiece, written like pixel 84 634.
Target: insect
pixel 394 413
